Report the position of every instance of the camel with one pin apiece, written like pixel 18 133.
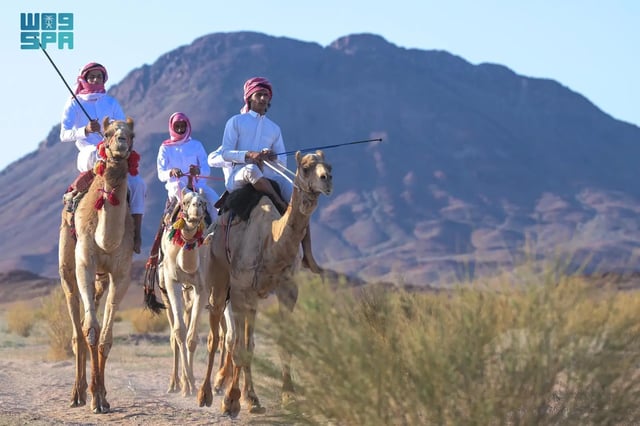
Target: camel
pixel 95 255
pixel 261 256
pixel 182 278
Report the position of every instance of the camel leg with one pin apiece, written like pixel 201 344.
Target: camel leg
pixel 85 274
pixel 307 254
pixel 287 294
pixel 226 362
pixel 217 300
pixel 248 392
pixel 174 381
pixel 195 308
pixel 70 288
pixel 117 288
pixel 243 311
pixel 179 330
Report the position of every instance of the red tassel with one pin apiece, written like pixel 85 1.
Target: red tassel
pixel 102 152
pixel 99 167
pixel 113 200
pixel 99 203
pixel 133 161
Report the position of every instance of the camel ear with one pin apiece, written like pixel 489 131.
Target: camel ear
pixel 320 155
pixel 105 123
pixel 130 123
pixel 298 157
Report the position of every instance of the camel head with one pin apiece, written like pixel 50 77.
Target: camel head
pixel 118 137
pixel 314 174
pixel 194 205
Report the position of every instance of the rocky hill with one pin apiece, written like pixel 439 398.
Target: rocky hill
pixel 477 167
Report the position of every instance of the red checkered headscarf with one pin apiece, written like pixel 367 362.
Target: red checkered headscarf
pixel 85 87
pixel 251 86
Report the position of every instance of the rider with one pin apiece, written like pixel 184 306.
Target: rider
pixel 87 134
pixel 181 155
pixel 249 139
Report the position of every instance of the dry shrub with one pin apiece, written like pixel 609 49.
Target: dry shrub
pixel 55 315
pixel 542 348
pixel 20 319
pixel 145 321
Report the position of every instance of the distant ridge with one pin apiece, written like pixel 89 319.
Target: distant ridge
pixel 476 161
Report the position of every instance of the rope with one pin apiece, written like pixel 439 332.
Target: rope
pixel 280 169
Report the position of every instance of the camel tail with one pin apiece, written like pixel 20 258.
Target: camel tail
pixel 150 299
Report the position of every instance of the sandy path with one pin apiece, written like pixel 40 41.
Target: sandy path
pixel 35 391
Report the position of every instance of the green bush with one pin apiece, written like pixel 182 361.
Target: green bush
pixel 542 348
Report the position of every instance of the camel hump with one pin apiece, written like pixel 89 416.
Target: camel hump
pixel 243 200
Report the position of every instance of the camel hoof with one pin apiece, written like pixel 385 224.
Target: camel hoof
pixel 218 391
pixel 257 409
pixel 102 409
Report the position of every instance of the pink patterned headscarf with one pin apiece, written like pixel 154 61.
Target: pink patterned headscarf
pixel 85 87
pixel 251 86
pixel 176 138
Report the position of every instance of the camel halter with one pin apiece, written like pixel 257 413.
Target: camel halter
pixel 176 235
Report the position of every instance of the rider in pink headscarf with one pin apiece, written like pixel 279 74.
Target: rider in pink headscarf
pixel 84 86
pixel 252 86
pixel 249 139
pixel 87 133
pixel 178 156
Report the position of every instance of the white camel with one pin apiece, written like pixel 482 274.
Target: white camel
pixel 182 278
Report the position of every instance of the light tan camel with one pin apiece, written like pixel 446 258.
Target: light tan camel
pixel 182 275
pixel 105 237
pixel 263 253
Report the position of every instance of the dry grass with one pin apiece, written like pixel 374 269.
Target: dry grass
pixel 20 319
pixel 54 315
pixel 538 348
pixel 144 321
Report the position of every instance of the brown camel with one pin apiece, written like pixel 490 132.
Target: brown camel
pixel 96 258
pixel 182 278
pixel 263 253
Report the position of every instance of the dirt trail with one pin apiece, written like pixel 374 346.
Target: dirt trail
pixel 35 391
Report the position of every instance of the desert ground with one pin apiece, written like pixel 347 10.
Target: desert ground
pixel 36 391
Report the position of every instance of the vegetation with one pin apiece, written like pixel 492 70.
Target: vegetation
pixel 20 319
pixel 55 316
pixel 145 321
pixel 530 348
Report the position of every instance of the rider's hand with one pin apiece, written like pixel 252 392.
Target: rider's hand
pixel 92 127
pixel 194 170
pixel 253 157
pixel 268 154
pixel 175 172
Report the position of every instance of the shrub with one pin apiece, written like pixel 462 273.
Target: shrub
pixel 20 319
pixel 549 350
pixel 55 315
pixel 145 321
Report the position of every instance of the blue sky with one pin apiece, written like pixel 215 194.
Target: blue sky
pixel 590 46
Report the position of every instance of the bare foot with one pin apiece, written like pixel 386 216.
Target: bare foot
pixel 137 244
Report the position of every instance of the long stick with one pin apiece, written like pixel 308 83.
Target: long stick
pixel 329 146
pixel 64 81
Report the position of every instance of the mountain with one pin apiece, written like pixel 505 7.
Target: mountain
pixel 477 167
